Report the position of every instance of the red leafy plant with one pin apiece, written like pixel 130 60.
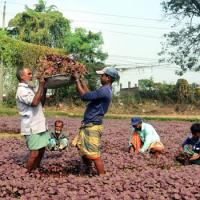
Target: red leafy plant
pixel 135 176
pixel 53 64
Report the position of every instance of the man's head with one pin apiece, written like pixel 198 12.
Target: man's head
pixel 24 74
pixel 58 126
pixel 136 122
pixel 195 129
pixel 108 75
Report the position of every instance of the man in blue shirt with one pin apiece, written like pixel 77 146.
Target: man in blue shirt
pixel 190 149
pixel 88 139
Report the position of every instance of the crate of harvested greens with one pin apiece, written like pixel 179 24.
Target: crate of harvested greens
pixel 57 70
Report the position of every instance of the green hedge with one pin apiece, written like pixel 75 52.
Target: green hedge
pixel 17 53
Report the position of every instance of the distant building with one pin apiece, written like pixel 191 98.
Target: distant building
pixel 129 76
pixel 128 91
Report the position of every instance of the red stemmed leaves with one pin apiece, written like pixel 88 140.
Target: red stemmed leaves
pixel 53 64
pixel 128 176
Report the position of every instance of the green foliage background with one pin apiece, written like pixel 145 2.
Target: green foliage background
pixel 40 30
pixel 17 53
pixel 182 44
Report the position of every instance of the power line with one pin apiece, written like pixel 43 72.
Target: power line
pixel 103 14
pixel 117 32
pixel 145 67
pixel 130 67
pixel 113 24
pixel 113 15
pixel 125 33
pixel 139 65
pixel 118 24
pixel 131 57
pixel 134 62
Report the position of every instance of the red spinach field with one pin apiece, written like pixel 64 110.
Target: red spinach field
pixel 127 176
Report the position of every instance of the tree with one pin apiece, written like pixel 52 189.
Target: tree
pixel 182 47
pixel 17 53
pixel 183 91
pixel 42 7
pixel 42 25
pixel 146 84
pixel 46 26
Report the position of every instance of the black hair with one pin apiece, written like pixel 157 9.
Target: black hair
pixel 112 79
pixel 19 73
pixel 59 122
pixel 195 128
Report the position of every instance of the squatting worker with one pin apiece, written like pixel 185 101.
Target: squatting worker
pixel 33 122
pixel 88 139
pixel 144 138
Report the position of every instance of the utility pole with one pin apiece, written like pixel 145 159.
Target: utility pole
pixel 1 62
pixel 4 15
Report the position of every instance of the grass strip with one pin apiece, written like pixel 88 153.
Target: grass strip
pixel 51 113
pixel 11 135
pixel 129 116
pixel 157 118
pixel 4 111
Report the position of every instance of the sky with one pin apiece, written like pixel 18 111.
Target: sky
pixel 132 31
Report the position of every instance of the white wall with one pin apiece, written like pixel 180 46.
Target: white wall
pixel 158 75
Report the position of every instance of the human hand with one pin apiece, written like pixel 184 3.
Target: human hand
pixel 76 75
pixel 131 150
pixel 41 81
pixel 179 150
pixel 195 156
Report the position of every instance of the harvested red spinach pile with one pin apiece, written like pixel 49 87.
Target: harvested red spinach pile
pixel 53 64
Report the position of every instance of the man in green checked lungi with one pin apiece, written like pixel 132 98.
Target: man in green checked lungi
pixel 88 139
pixel 33 122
